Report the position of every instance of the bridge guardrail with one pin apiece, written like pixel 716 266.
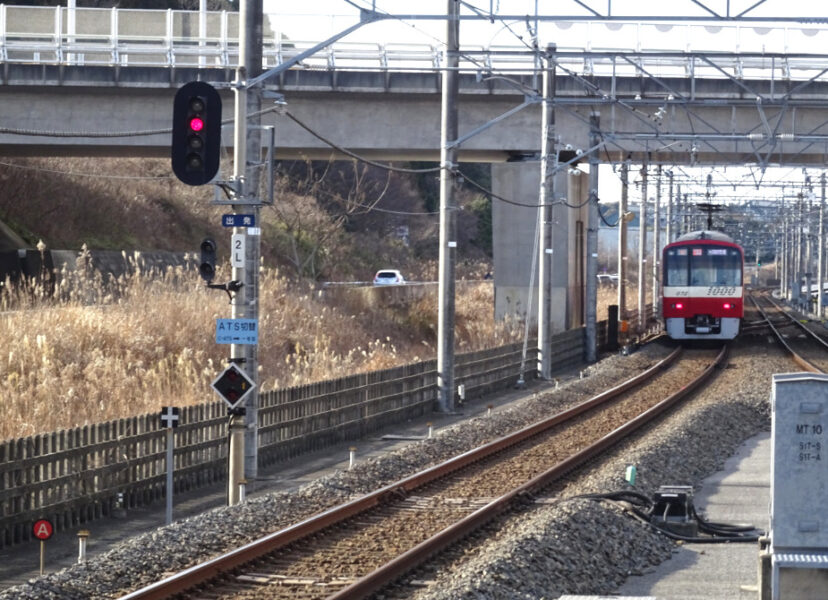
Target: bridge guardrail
pixel 169 39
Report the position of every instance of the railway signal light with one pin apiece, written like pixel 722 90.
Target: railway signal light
pixel 233 385
pixel 196 133
pixel 207 266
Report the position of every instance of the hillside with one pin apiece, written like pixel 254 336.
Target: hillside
pixel 330 221
pixel 96 352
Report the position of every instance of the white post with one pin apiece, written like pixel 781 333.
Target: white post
pixel 202 31
pixel 170 466
pixel 70 28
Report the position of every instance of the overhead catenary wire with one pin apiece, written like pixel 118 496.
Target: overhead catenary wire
pixel 79 174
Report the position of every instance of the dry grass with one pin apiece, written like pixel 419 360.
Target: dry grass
pixel 132 347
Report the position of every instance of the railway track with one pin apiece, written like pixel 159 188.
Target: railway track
pixel 808 350
pixel 357 548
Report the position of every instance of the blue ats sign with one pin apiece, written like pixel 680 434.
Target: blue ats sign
pixel 237 331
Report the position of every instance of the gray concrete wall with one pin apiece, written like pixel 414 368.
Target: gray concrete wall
pixel 514 231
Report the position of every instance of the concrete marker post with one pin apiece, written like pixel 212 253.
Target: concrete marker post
pixel 83 536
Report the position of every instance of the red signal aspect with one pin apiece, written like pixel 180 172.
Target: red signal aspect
pixel 196 123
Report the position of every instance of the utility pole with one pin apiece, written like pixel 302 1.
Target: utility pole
pixel 821 250
pixel 669 232
pixel 785 258
pixel 622 241
pixel 656 242
pixel 642 251
pixel 246 244
pixel 549 166
pixel 251 58
pixel 448 214
pixel 798 245
pixel 592 242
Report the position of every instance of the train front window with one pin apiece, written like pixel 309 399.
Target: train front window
pixel 703 266
pixel 717 266
pixel 677 267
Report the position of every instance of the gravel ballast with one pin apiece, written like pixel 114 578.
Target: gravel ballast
pixel 565 546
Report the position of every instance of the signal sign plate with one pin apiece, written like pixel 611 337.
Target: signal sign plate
pixel 237 331
pixel 43 529
pixel 233 385
pixel 238 220
pixel 238 243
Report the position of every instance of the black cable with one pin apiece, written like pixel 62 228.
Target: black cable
pixel 353 155
pixel 720 532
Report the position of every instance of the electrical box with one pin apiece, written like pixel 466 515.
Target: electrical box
pixel 799 486
pixel 673 510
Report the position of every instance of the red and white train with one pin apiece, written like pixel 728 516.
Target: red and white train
pixel 702 287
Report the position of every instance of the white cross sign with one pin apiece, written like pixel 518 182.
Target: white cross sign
pixel 170 417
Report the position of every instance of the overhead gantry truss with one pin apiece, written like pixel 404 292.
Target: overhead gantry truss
pixel 700 107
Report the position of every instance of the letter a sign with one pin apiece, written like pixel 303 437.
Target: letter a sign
pixel 43 530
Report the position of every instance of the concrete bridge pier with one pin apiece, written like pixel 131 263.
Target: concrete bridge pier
pixel 515 232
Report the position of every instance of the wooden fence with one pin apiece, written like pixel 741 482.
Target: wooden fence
pixel 81 474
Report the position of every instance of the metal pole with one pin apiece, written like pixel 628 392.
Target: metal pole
pixel 592 243
pixel 170 468
pixel 821 250
pixel 622 242
pixel 642 251
pixel 448 217
pixel 549 164
pixel 656 243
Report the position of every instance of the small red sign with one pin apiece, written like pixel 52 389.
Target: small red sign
pixel 43 529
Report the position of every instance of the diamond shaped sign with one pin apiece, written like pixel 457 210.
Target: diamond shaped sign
pixel 233 385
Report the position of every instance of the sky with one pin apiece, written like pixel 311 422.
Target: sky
pixel 318 20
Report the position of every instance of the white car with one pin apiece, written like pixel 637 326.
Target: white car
pixel 388 277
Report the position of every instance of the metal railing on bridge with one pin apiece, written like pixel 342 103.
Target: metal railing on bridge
pixel 171 39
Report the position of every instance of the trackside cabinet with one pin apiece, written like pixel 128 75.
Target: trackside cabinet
pixel 799 487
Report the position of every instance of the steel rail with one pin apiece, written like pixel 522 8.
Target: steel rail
pixel 799 324
pixel 394 569
pixel 801 361
pixel 209 569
